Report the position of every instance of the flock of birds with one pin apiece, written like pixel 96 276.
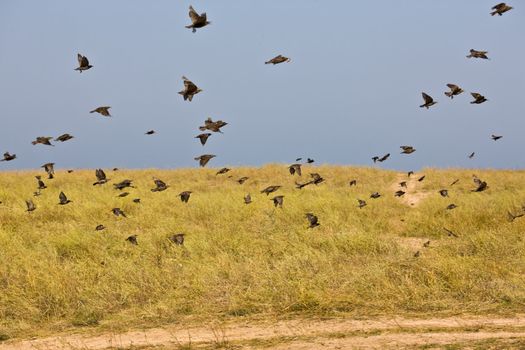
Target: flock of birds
pixel 189 91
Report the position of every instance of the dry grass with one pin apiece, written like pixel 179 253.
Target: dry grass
pixel 56 272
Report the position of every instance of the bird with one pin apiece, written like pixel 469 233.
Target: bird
pixel 443 193
pixel 203 137
pixel 450 233
pixel 132 239
pixel 309 160
pixel 30 205
pixel 64 137
pixel 429 101
pixel 104 110
pixel 190 89
pixel 298 159
pixel 242 180
pixel 204 159
pixel 403 184
pixel 50 170
pixel 410 173
pixel 454 90
pixel 83 63
pixel 500 9
pixel 8 157
pixel 278 201
pixel 43 140
pixel 478 54
pixel 247 199
pixel 375 195
pixel 417 254
pixel 313 220
pixel 136 200
pixel 472 155
pixel 123 194
pixel 185 196
pixel 70 171
pixel 353 183
pixel 278 59
pixel 513 217
pixel 451 206
pixel 159 185
pixel 118 212
pixel 40 183
pixel 399 193
pixel 317 179
pixel 478 98
pixel 101 177
pixel 222 171
pixel 426 244
pixel 270 189
pixel 383 158
pixel 295 169
pixel 197 21
pixel 123 184
pixel 63 199
pixel 407 150
pixel 496 137
pixel 375 159
pixel 216 126
pixel 149 132
pixel 100 227
pixel 421 178
pixel 177 239
pixel 481 187
pixel 361 204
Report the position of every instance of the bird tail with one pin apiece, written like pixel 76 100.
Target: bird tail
pixel 190 26
pixel 93 111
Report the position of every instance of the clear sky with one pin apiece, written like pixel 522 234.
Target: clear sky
pixel 352 90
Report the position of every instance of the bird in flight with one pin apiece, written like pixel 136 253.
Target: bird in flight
pixel 30 205
pixel 407 149
pixel 101 177
pixel 104 110
pixel 500 9
pixel 429 101
pixel 278 59
pixel 203 137
pixel 278 201
pixel 83 63
pixel 64 137
pixel 50 170
pixel 270 189
pixel 478 98
pixel 190 89
pixel 150 132
pixel 313 220
pixel 197 21
pixel 478 54
pixel 204 159
pixel 496 137
pixel 43 140
pixel 185 196
pixel 454 90
pixel 8 157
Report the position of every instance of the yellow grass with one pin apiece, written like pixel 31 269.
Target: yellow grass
pixel 57 272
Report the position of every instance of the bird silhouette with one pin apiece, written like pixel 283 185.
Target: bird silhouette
pixel 309 160
pixel 481 187
pixel 278 201
pixel 216 126
pixel 149 132
pixel 100 227
pixel 123 194
pixel 403 184
pixel 41 185
pixel 478 54
pixel 132 239
pixel 375 195
pixel 159 185
pixel 104 110
pixel 197 21
pixel 43 140
pixel 247 199
pixel 177 239
pixel 407 150
pixel 278 59
pixel 295 169
pixel 472 155
pixel 30 205
pixel 478 98
pixel 64 137
pixel 123 184
pixel 203 137
pixel 429 101
pixel 50 170
pixel 353 183
pixel 204 159
pixel 190 89
pixel 63 199
pixel 83 63
pixel 185 196
pixel 270 189
pixel 500 9
pixel 421 178
pixel 101 177
pixel 242 180
pixel 443 193
pixel 222 171
pixel 451 206
pixel 313 220
pixel 496 137
pixel 136 200
pixel 454 90
pixel 399 193
pixel 361 203
pixel 8 157
pixel 118 212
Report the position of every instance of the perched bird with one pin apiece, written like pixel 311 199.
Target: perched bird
pixel 500 9
pixel 216 126
pixel 399 193
pixel 513 217
pixel 481 187
pixel 204 159
pixel 50 170
pixel 43 140
pixel 83 63
pixel 30 205
pixel 104 110
pixel 295 169
pixel 203 137
pixel 8 157
pixel 150 132
pixel 278 201
pixel 407 150
pixel 40 183
pixel 313 220
pixel 132 239
pixel 222 171
pixel 375 195
pixel 443 193
pixel 472 155
pixel 123 194
pixel 190 89
pixel 100 227
pixel 353 183
pixel 450 233
pixel 136 200
pixel 159 185
pixel 270 189
pixel 177 238
pixel 454 90
pixel 454 182
pixel 278 59
pixel 451 206
pixel 123 184
pixel 247 199
pixel 197 21
pixel 63 199
pixel 421 178
pixel 361 204
pixel 64 137
pixel 429 101
pixel 118 212
pixel 185 196
pixel 242 180
pixel 496 137
pixel 101 177
pixel 478 98
pixel 478 54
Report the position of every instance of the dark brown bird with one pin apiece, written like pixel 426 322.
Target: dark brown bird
pixel 478 98
pixel 197 21
pixel 177 239
pixel 375 159
pixel 64 137
pixel 50 170
pixel 70 171
pixel 399 193
pixel 100 227
pixel 185 196
pixel 429 101
pixel 83 63
pixel 123 194
pixel 309 160
pixel 43 140
pixel 118 212
pixel 295 169
pixel 443 193
pixel 451 206
pixel 123 184
pixel 136 200
pixel 278 201
pixel 190 89
pixel 63 199
pixel 30 205
pixel 383 158
pixel 454 90
pixel 353 183
pixel 472 155
pixel 496 137
pixel 216 126
pixel 417 254
pixel 403 184
pixel 204 159
pixel 478 54
pixel 8 157
pixel 361 204
pixel 101 177
pixel 450 233
pixel 313 220
pixel 270 189
pixel 410 173
pixel 159 185
pixel 317 179
pixel 500 9
pixel 40 183
pixel 242 180
pixel 222 171
pixel 149 132
pixel 203 137
pixel 104 110
pixel 407 150
pixel 481 187
pixel 247 199
pixel 421 178
pixel 132 239
pixel 426 244
pixel 375 195
pixel 278 59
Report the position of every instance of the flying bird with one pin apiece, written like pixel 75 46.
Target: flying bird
pixel 361 204
pixel 278 59
pixel 64 137
pixel 216 126
pixel 118 212
pixel 104 110
pixel 159 185
pixel 185 196
pixel 295 169
pixel 123 184
pixel 203 137
pixel 8 157
pixel 421 178
pixel 309 160
pixel 278 201
pixel 451 206
pixel 481 187
pixel 132 239
pixel 136 200
pixel 500 9
pixel 496 137
pixel 270 189
pixel 454 90
pixel 242 180
pixel 63 199
pixel 247 199
pixel 454 182
pixel 407 150
pixel 204 159
pixel 177 239
pixel 429 101
pixel 50 170
pixel 443 193
pixel 43 140
pixel 472 155
pixel 222 171
pixel 30 205
pixel 40 183
pixel 403 184
pixel 353 183
pixel 399 193
pixel 313 220
pixel 478 54
pixel 149 132
pixel 101 177
pixel 197 21
pixel 478 98
pixel 375 195
pixel 100 227
pixel 83 63
pixel 123 194
pixel 190 89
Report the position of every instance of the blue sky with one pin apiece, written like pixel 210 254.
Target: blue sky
pixel 352 90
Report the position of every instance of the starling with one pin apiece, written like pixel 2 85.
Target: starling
pixel 403 184
pixel 123 184
pixel 197 21
pixel 417 254
pixel 50 169
pixel 451 206
pixel 8 156
pixel 478 99
pixel 136 200
pixel 421 178
pixel 190 89
pixel 43 140
pixel 426 244
pixel 454 90
pixel 309 161
pixel 104 110
pixel 361 204
pixel 500 9
pixel 100 227
pixel 317 179
pixel 118 212
pixel 353 183
pixel 123 194
pixel 472 155
pixel 203 137
pixel 63 199
pixel 41 184
pixel 64 137
pixel 410 173
pixel 101 177
pixel 478 54
pixel 278 201
pixel 270 189
pixel 278 59
pixel 83 63
pixel 429 101
pixel 481 187
pixel 185 196
pixel 242 180
pixel 150 132
pixel 476 180
pixel 177 239
pixel 313 220
pixel 30 205
pixel 247 199
pixel 295 169
pixel 216 126
pixel 375 159
pixel 69 171
pixel 496 137
pixel 450 233
pixel 222 171
pixel 399 193
pixel 383 158
pixel 375 195
pixel 204 159
pixel 298 159
pixel 132 239
pixel 443 193
pixel 160 186
pixel 407 150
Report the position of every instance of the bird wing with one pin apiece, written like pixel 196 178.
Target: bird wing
pixel 475 95
pixel 194 16
pixel 499 6
pixel 79 58
pixel 453 87
pixel 427 98
pixel 62 197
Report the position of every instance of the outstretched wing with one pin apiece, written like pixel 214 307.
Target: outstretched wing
pixel 499 6
pixel 194 16
pixel 475 95
pixel 62 197
pixel 427 98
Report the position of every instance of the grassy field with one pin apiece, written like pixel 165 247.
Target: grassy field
pixel 57 272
